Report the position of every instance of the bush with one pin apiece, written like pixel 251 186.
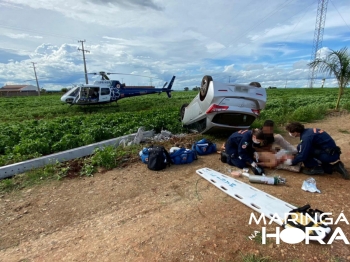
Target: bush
pixel 105 157
pixel 88 168
pixel 28 146
pixel 68 141
pixel 308 113
pixel 346 106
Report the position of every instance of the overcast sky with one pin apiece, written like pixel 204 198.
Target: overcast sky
pixel 233 41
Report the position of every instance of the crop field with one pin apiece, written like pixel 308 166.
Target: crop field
pixel 34 126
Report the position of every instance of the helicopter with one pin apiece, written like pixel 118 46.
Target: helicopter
pixel 107 91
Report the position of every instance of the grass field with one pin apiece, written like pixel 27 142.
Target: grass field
pixel 34 126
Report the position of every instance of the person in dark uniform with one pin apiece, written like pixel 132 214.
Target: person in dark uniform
pixel 239 148
pixel 317 151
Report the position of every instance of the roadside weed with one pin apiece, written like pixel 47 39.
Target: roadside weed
pixel 105 157
pixel 254 258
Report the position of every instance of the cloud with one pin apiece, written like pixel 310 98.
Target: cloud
pixel 323 52
pixel 130 3
pixel 7 4
pixel 247 40
pixel 302 64
pixel 6 57
pixel 229 68
pixel 252 67
pixel 21 36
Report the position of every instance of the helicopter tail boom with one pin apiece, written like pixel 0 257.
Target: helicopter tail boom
pixel 168 88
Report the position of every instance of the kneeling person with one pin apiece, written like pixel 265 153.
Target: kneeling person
pixel 239 148
pixel 317 151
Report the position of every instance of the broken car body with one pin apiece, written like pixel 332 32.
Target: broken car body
pixel 223 106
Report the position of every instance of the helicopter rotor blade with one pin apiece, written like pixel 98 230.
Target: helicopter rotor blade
pixel 118 73
pixel 133 75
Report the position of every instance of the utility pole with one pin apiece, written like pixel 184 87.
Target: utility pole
pixel 87 51
pixel 229 79
pixel 36 78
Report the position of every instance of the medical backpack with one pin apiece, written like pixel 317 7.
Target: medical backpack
pixel 183 156
pixel 204 147
pixel 156 157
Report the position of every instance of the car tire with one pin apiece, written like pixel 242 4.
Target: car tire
pixel 182 111
pixel 256 84
pixel 204 87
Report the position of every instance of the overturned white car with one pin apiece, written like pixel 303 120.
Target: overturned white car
pixel 223 106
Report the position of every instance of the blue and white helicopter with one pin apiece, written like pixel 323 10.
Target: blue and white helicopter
pixel 107 91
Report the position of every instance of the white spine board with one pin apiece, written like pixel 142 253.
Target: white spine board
pixel 252 197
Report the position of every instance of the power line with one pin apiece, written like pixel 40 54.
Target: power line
pixel 301 18
pixel 339 14
pixel 264 33
pixel 87 51
pixel 254 26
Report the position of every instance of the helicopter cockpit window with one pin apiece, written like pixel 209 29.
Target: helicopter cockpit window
pixel 105 91
pixel 73 92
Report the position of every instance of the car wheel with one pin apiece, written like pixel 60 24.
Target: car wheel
pixel 182 111
pixel 256 84
pixel 204 87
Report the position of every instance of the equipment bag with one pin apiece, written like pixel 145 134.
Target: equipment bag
pixel 304 217
pixel 144 155
pixel 258 170
pixel 224 157
pixel 204 147
pixel 183 156
pixel 158 158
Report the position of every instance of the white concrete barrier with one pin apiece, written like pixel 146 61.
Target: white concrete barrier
pixel 21 167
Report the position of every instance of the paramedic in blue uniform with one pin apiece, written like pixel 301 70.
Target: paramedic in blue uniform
pixel 240 150
pixel 316 150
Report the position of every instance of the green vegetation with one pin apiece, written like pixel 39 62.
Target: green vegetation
pixel 55 171
pixel 34 126
pixel 103 159
pixel 258 238
pixel 344 131
pixel 300 104
pixel 336 63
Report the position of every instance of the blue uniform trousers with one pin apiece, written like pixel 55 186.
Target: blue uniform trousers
pixel 324 158
pixel 235 161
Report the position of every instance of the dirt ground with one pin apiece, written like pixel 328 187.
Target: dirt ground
pixel 134 214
